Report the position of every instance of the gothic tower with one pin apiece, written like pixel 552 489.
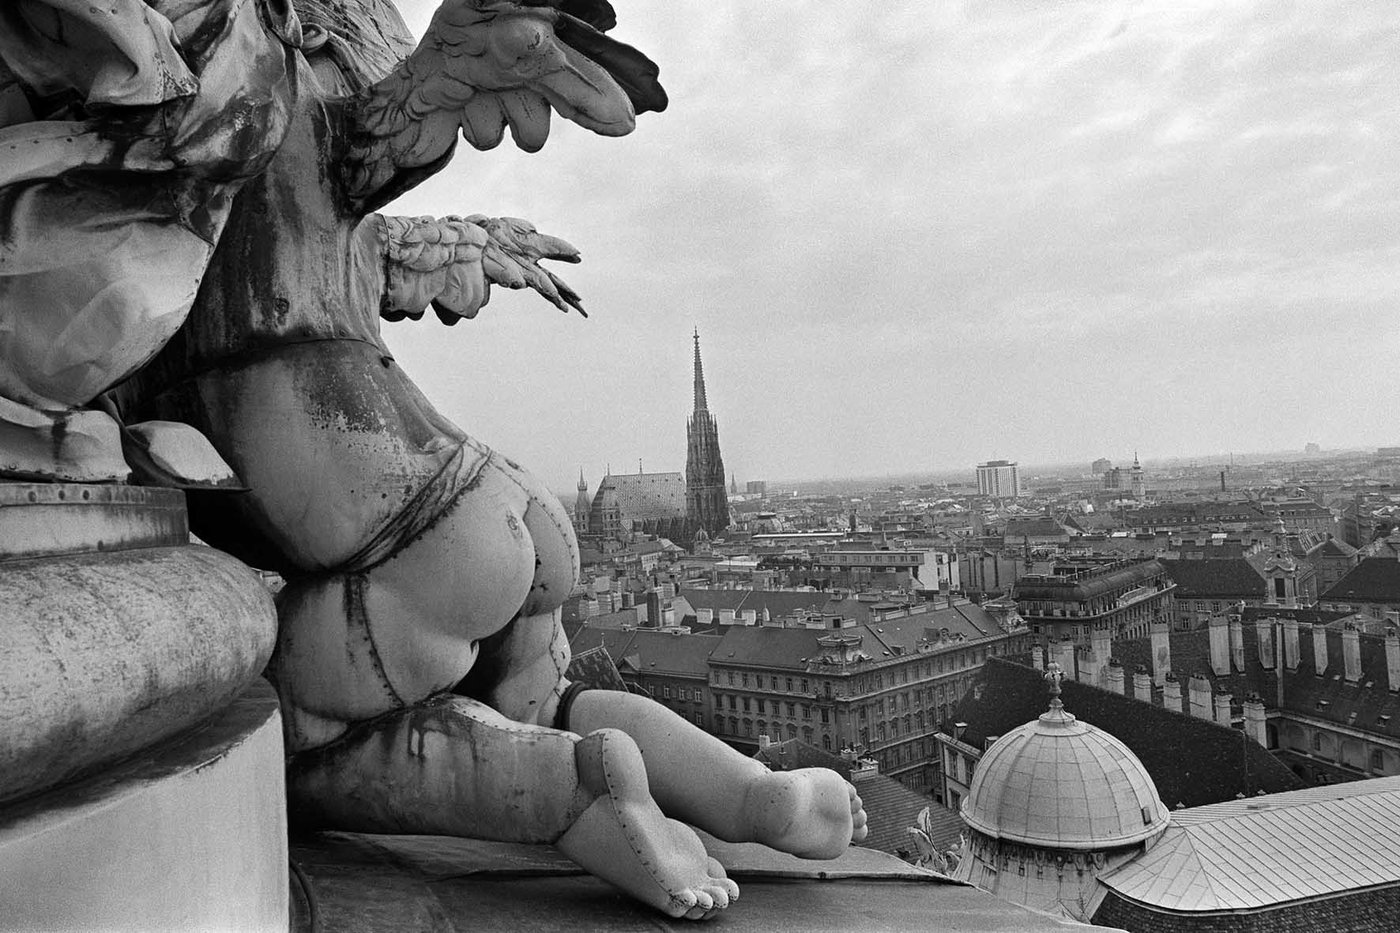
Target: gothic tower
pixel 583 503
pixel 706 505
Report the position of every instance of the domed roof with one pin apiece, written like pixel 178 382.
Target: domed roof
pixel 1059 783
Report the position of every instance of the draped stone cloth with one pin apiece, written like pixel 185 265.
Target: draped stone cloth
pixel 125 131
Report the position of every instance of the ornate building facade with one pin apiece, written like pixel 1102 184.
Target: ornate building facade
pixel 706 502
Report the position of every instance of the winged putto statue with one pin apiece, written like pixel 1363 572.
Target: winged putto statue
pixel 190 244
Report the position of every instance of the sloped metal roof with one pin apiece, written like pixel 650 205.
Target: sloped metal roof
pixel 1270 850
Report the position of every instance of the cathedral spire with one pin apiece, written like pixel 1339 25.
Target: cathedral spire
pixel 700 402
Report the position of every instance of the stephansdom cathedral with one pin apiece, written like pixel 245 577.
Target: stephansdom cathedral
pixel 684 508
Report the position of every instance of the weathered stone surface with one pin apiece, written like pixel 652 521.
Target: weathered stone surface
pixel 104 654
pixel 189 835
pixel 47 519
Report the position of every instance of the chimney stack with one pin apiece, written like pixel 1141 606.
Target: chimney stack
pixel 1171 693
pixel 1198 692
pixel 1222 709
pixel 1254 718
pixel 1161 653
pixel 1065 657
pixel 1115 673
pixel 1142 685
pixel 1290 643
pixel 1220 645
pixel 1319 642
pixel 1392 659
pixel 1037 657
pixel 1237 642
pixel 1264 629
pixel 1351 651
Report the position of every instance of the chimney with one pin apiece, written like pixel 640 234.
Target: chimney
pixel 1319 640
pixel 1142 685
pixel 1220 645
pixel 1161 653
pixel 1351 651
pixel 1037 657
pixel 1290 644
pixel 1171 692
pixel 1392 658
pixel 863 768
pixel 1115 673
pixel 1102 641
pixel 1237 642
pixel 1222 709
pixel 1254 720
pixel 1198 693
pixel 1065 657
pixel 1264 628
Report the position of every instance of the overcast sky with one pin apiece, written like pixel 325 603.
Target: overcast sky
pixel 918 235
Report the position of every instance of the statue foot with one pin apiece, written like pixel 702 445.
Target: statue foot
pixel 623 838
pixel 811 812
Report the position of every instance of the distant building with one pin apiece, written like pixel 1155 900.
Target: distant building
pixel 999 479
pixel 756 487
pixel 639 503
pixel 1086 602
pixel 706 503
pixel 880 688
pixel 1101 465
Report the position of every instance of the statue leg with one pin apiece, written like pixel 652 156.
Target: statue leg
pixel 810 812
pixel 455 766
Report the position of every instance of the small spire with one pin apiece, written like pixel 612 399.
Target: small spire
pixel 700 402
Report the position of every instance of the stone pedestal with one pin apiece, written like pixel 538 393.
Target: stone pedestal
pixel 190 835
pixel 141 757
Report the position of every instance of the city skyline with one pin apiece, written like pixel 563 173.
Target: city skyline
pixel 919 237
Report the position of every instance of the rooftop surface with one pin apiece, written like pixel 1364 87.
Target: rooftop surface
pixel 351 883
pixel 1270 850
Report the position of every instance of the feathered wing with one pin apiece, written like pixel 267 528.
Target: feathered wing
pixel 488 65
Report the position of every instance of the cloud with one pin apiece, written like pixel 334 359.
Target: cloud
pixel 914 233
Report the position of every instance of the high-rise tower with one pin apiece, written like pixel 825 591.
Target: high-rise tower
pixel 706 504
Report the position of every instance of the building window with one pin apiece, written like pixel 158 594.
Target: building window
pixel 746 704
pixel 760 704
pixel 1377 760
pixel 1317 741
pixel 789 685
pixel 666 691
pixel 804 686
pixel 732 704
pixel 791 710
pixel 826 715
pixel 729 676
pixel 806 711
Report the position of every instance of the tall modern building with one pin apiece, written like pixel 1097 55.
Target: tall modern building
pixel 998 478
pixel 706 502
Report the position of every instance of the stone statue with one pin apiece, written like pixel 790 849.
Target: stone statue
pixel 188 191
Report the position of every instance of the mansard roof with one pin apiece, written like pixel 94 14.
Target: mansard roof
pixel 1374 580
pixel 1229 578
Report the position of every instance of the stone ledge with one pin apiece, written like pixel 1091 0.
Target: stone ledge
pixel 188 835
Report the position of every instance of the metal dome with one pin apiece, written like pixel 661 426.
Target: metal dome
pixel 1059 783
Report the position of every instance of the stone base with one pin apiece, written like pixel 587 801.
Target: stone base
pixel 189 835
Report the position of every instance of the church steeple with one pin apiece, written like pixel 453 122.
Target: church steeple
pixel 707 506
pixel 700 402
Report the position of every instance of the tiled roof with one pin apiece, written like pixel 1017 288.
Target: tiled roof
pixel 1229 578
pixel 672 653
pixel 1192 761
pixel 595 668
pixel 1270 850
pixel 783 648
pixel 1374 580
